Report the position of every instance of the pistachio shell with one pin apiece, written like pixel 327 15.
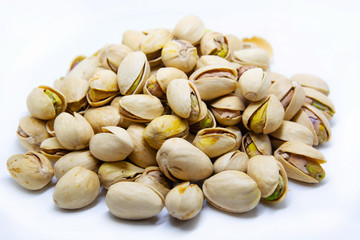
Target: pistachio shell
pixel 254 84
pixel 274 76
pixel 114 55
pixel 205 120
pixel 52 149
pixel 84 69
pixel 256 144
pixel 234 42
pixel 316 98
pixel 234 160
pixel 208 60
pixel 102 117
pixel 227 109
pixel 132 39
pixel 155 179
pixel 214 43
pixel 252 56
pixel 261 43
pixel 311 81
pixel 190 28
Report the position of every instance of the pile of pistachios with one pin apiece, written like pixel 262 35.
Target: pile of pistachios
pixel 170 116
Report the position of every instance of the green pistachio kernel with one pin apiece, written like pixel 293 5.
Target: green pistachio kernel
pixel 56 101
pixel 322 134
pixel 322 107
pixel 257 121
pixel 222 52
pixel 194 113
pixel 252 150
pixel 279 191
pixel 315 170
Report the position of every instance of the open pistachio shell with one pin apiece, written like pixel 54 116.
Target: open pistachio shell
pixel 254 84
pixel 227 109
pixel 84 69
pixel 215 141
pixel 52 149
pixel 46 103
pixel 50 127
pixel 214 81
pixel 234 160
pixel 76 61
pixel 234 42
pixel 140 107
pixel 208 60
pixel 205 120
pixel 311 81
pixel 266 171
pixel 291 131
pixel 102 117
pixel 180 160
pixel 274 76
pixel 190 28
pixel 132 73
pixel 132 39
pixel 114 55
pixel 256 144
pixel 320 101
pixel 252 56
pixel 232 191
pixel 301 162
pixel 214 43
pixel 290 94
pixel 260 43
pixel 111 173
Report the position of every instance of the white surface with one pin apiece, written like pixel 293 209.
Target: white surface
pixel 40 38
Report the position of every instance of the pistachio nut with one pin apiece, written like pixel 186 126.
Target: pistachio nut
pixel 236 131
pixel 133 201
pixel 76 189
pixel 113 144
pixel 155 179
pixel 301 162
pixel 216 141
pixel 290 94
pixel 232 191
pixel 31 133
pixel 270 176
pixel 320 101
pixel 76 61
pixel 180 160
pixel 312 81
pixel 113 172
pixel 291 131
pixel 132 73
pixel 241 69
pixel 256 144
pixel 254 84
pixel 208 60
pixel 143 155
pixel 275 76
pixel 132 39
pixel 234 160
pixel 214 43
pixel 184 201
pixel 103 88
pixel 52 149
pixel 31 170
pixel 162 128
pixel 114 55
pixel 156 85
pixel 50 127
pixel 260 43
pixel 234 42
pixel 140 107
pixel 227 109
pixel 265 116
pixel 45 103
pixel 84 69
pixel 75 159
pixel 73 131
pixel 153 43
pixel 316 122
pixel 190 28
pixel 214 81
pixel 102 117
pixel 252 56
pixel 184 99
pixel 206 120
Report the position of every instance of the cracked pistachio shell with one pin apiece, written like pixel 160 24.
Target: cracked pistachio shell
pixel 50 127
pixel 315 121
pixel 184 99
pixel 85 69
pixel 320 101
pixel 214 43
pixel 227 109
pixel 73 131
pixel 234 160
pixel 155 179
pixel 252 56
pixel 180 54
pixel 75 159
pixel 113 144
pixel 232 191
pixel 190 28
pixel 46 103
pixel 140 107
pixel 264 116
pixel 291 131
pixel 184 201
pixel 303 153
pixel 76 61
pixel 260 43
pixel 52 149
pixel 132 39
pixel 205 120
pixel 156 85
pixel 180 160
pixel 290 94
pixel 31 170
pixel 132 73
pixel 214 81
pixel 123 122
pixel 312 81
pixel 76 189
pixel 31 133
pixel 143 155
pixel 274 76
pixel 265 171
pixel 235 130
pixel 133 201
pixel 113 172
pixel 162 128
pixel 102 117
pixel 254 84
pixel 208 60
pixel 114 55
pixel 216 141
pixel 256 144
pixel 234 42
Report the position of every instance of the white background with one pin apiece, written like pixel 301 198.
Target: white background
pixel 38 39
